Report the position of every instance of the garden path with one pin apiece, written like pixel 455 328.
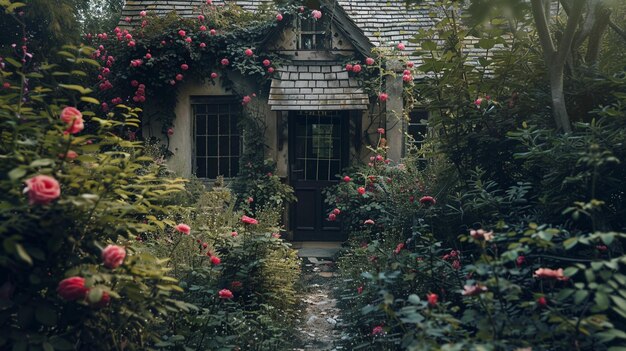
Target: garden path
pixel 320 323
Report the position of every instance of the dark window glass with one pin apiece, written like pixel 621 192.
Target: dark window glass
pixel 217 137
pixel 418 127
pixel 314 34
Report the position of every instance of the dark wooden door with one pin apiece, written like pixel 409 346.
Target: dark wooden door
pixel 318 150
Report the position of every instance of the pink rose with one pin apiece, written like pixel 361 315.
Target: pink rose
pixel 182 33
pixel 72 288
pixel 225 294
pixel 383 97
pixel 184 67
pixel 248 220
pixel 70 155
pixel 143 13
pixel 542 301
pixel 381 130
pixel 410 64
pixel 200 17
pixel 356 68
pixel 249 52
pixel 73 118
pixel 203 45
pixel 401 46
pixel 279 17
pixel 215 260
pixel 113 256
pixel 399 248
pixel 473 290
pixel 349 67
pixel 337 211
pixel 480 234
pixel 183 228
pixel 316 14
pixel 347 179
pixel 212 32
pixel 270 70
pixel 548 273
pixel 170 131
pixel 359 290
pixel 332 217
pixel 213 75
pixel 369 222
pixel 369 61
pixel 233 234
pixel 266 63
pixel 361 190
pixel 378 330
pixel 225 62
pixel 42 189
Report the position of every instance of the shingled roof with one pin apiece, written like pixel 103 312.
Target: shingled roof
pixel 316 85
pixel 381 22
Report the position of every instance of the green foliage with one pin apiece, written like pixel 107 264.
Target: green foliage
pixel 256 265
pixel 110 193
pixel 257 187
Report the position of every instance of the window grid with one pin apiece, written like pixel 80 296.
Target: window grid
pixel 322 150
pixel 417 128
pixel 217 138
pixel 313 34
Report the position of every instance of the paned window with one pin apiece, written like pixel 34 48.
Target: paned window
pixel 417 128
pixel 217 141
pixel 314 34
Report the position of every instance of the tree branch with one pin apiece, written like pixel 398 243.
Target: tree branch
pixel 568 36
pixel 617 29
pixel 541 22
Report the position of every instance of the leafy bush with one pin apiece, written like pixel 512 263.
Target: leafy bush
pixel 86 189
pixel 249 260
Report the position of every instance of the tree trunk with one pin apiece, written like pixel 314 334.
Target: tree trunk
pixel 559 110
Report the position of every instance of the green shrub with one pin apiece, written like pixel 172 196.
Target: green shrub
pixel 110 193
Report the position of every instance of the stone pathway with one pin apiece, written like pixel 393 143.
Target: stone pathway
pixel 320 324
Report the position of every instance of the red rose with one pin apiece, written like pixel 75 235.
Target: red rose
pixel 248 52
pixel 359 290
pixel 225 294
pixel 266 62
pixel 183 228
pixel 347 179
pixel 215 260
pixel 279 17
pixel 113 256
pixel 369 222
pixel 249 220
pixel 427 200
pixel 432 299
pixel 378 330
pixel 383 97
pixel 369 61
pixel 225 62
pixel 184 67
pixel 332 217
pixel 361 190
pixel 349 67
pixel 72 288
pixel 356 68
pixel 337 211
pixel 542 301
pixel 42 190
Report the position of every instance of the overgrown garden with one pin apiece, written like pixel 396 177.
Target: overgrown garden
pixel 505 230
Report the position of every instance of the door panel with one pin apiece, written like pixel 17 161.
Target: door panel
pixel 318 150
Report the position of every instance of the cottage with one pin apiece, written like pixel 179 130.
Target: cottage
pixel 320 119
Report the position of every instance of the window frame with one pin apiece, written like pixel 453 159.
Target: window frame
pixel 216 100
pixel 410 141
pixel 324 31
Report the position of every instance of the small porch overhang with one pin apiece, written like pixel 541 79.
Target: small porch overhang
pixel 315 86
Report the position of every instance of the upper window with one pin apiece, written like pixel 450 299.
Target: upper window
pixel 314 34
pixel 418 128
pixel 217 145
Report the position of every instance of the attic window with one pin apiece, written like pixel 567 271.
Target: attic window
pixel 314 34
